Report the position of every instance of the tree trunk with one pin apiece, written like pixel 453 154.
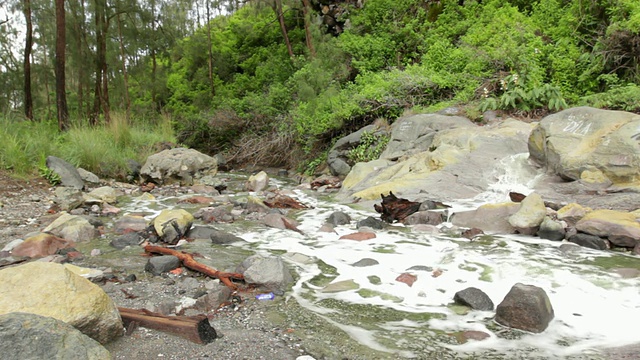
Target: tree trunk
pixel 307 27
pixel 127 100
pixel 210 57
pixel 277 7
pixel 61 97
pixel 101 95
pixel 28 99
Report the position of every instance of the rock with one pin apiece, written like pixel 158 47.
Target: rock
pixel 72 227
pixel 255 204
pixel 178 165
pixel 551 229
pixel 326 182
pixel 340 286
pixel 583 139
pixel 127 239
pixel 491 218
pixel 257 182
pixel 371 222
pixel 221 213
pixel 130 223
pixel 93 275
pixel 216 236
pixel 457 163
pixel 104 194
pixel 69 176
pixel 158 265
pixel 525 307
pixel 134 168
pixel 474 298
pixel 68 198
pixel 464 336
pixel 471 233
pixel 407 278
pixel 172 224
pixel 218 295
pixel 339 218
pixel 30 336
pixel 359 236
pixel 41 245
pixel 279 221
pixel 365 262
pixel 88 176
pixel 268 272
pixel 621 228
pixel 530 215
pixel 589 241
pixel 62 295
pixel 424 217
pixel 329 228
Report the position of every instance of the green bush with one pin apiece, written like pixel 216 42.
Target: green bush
pixel 370 147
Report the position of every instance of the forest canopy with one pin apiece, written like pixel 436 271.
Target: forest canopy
pixel 276 81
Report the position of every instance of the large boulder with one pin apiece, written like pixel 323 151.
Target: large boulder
pixel 52 290
pixel 590 144
pixel 458 163
pixel 619 227
pixel 69 175
pixel 178 165
pixel 257 182
pixel 31 336
pixel 72 227
pixel 525 307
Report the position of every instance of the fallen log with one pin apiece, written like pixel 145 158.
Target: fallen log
pixel 393 208
pixel 188 261
pixel 193 328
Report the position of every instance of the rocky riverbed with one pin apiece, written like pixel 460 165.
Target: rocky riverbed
pixel 248 328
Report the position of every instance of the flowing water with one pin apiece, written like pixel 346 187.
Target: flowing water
pixel 594 306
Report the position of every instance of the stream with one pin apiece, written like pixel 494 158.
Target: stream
pixel 594 307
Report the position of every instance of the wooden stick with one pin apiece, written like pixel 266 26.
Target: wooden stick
pixel 188 261
pixel 193 328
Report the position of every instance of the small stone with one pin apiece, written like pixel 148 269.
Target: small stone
pixel 474 298
pixel 161 264
pixel 407 278
pixel 365 262
pixel 359 236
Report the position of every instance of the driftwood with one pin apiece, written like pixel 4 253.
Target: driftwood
pixel 284 202
pixel 193 328
pixel 393 208
pixel 188 261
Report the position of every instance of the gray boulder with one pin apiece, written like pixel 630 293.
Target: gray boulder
pixel 530 215
pixel 216 236
pixel 88 176
pixel 30 336
pixel 172 224
pixel 257 182
pixel 68 173
pixel 458 163
pixel 338 218
pixel 424 217
pixel 68 198
pixel 268 272
pixel 178 165
pixel 490 218
pixel 588 144
pixel 525 307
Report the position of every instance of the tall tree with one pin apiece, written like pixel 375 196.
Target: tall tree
pixel 277 7
pixel 306 6
pixel 209 49
pixel 61 97
pixel 101 89
pixel 28 45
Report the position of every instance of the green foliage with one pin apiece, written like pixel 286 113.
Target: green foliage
pixel 625 98
pixel 514 94
pixel 370 147
pixel 48 174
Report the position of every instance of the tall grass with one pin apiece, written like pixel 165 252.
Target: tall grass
pixel 103 149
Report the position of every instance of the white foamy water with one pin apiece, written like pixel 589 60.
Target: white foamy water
pixel 594 307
